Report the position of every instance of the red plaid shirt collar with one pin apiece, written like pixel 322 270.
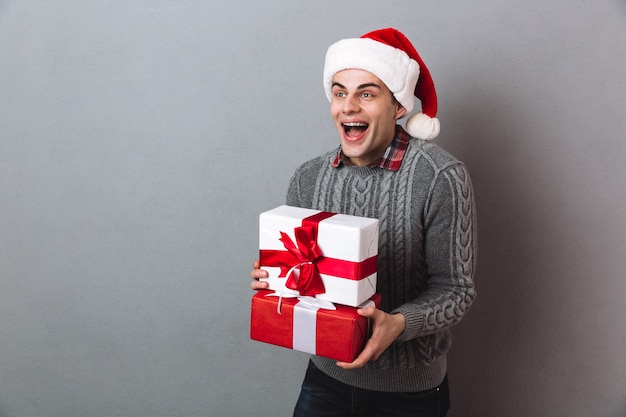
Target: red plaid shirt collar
pixel 391 159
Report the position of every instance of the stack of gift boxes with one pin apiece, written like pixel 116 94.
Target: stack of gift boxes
pixel 322 268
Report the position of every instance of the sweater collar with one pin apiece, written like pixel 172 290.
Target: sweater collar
pixel 391 159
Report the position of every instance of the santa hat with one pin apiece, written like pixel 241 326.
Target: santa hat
pixel 390 56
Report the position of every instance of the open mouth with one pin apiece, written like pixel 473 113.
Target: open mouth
pixel 354 129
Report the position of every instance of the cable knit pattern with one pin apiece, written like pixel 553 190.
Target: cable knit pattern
pixel 427 254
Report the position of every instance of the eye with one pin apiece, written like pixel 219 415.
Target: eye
pixel 367 95
pixel 340 94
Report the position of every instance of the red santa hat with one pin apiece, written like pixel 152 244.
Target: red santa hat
pixel 390 56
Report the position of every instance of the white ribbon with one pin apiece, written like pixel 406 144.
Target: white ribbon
pixel 305 323
pixel 305 320
pixel 288 295
pixel 280 296
pixel 316 303
pixel 304 327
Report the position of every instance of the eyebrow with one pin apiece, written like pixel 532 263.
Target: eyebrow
pixel 360 87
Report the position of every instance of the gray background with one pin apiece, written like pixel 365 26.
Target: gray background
pixel 140 139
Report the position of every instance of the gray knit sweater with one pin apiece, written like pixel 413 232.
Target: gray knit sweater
pixel 426 259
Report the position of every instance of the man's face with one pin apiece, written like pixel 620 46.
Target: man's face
pixel 365 113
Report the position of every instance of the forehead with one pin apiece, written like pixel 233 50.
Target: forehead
pixel 356 78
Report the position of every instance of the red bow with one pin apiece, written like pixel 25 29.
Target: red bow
pixel 307 252
pixel 304 256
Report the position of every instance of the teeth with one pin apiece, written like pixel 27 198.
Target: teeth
pixel 355 124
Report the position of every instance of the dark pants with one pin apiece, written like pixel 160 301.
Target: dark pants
pixel 322 395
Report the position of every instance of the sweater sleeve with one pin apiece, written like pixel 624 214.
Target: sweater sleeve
pixel 293 192
pixel 450 256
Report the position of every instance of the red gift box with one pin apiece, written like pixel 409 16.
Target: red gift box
pixel 296 324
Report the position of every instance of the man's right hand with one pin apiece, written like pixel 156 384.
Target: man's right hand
pixel 257 273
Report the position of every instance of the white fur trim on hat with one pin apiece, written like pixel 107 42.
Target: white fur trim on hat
pixel 393 66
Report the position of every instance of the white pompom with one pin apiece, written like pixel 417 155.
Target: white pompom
pixel 422 126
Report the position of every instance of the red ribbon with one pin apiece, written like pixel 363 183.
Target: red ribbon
pixel 306 255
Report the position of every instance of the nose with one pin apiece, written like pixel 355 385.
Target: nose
pixel 350 104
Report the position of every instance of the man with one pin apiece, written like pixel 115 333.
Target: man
pixel 423 199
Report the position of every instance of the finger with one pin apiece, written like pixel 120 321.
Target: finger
pixel 367 311
pixel 259 285
pixel 364 357
pixel 258 273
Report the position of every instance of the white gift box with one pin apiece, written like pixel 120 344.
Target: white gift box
pixel 348 245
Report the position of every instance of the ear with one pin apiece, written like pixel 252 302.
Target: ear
pixel 400 111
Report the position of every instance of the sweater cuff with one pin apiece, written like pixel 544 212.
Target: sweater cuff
pixel 414 322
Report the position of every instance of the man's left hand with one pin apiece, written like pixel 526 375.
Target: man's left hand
pixel 385 329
